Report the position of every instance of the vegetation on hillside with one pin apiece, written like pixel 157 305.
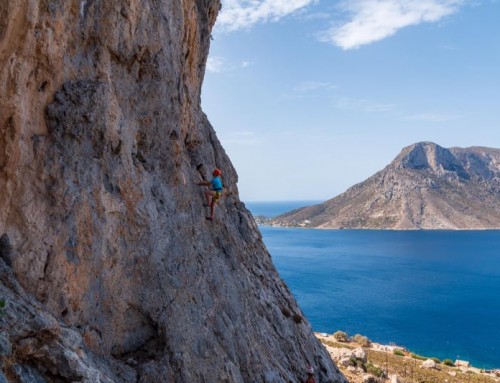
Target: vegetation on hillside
pixel 406 365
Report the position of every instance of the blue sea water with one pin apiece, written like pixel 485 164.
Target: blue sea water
pixel 434 292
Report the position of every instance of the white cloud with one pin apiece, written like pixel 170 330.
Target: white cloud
pixel 447 47
pixel 218 64
pixel 242 14
pixel 309 86
pixel 315 16
pixel 433 117
pixel 346 103
pixel 215 64
pixel 374 20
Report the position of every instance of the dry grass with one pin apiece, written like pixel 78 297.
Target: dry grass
pixel 409 369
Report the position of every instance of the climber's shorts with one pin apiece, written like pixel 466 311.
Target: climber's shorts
pixel 216 195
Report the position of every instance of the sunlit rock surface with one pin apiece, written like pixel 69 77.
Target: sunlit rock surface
pixel 109 269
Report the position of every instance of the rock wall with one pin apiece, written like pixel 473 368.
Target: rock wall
pixel 102 142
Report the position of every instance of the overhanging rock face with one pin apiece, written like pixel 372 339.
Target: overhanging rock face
pixel 102 142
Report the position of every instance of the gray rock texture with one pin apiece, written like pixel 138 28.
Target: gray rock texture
pixel 36 347
pixel 110 271
pixel 425 187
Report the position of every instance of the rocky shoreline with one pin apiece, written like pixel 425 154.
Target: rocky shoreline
pixel 363 361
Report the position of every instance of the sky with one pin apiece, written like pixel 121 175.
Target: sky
pixel 309 97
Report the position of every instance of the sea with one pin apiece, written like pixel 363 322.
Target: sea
pixel 435 292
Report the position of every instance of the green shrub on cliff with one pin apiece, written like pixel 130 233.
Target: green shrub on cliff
pixel 341 336
pixel 357 363
pixel 398 352
pixel 2 306
pixel 377 371
pixel 419 357
pixel 362 340
pixel 448 362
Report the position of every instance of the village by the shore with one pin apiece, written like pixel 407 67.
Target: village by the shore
pixel 266 221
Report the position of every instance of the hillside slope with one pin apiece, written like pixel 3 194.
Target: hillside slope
pixel 424 187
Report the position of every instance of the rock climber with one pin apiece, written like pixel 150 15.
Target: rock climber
pixel 213 195
pixel 310 375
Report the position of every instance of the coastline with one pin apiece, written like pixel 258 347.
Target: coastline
pixel 265 221
pixel 490 361
pixel 398 364
pixel 408 287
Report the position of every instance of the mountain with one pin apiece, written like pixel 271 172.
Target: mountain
pixel 425 187
pixel 108 268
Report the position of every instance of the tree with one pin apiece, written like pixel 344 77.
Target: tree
pixel 341 336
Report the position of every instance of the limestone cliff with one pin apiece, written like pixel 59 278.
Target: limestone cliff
pixel 425 187
pixel 109 269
